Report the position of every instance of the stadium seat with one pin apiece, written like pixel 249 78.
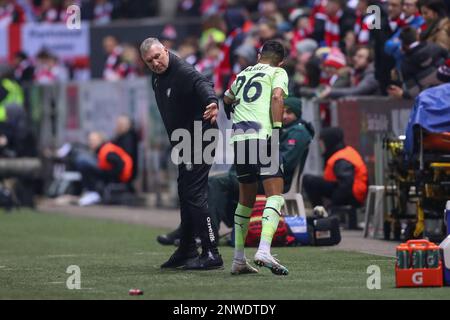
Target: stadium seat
pixel 375 206
pixel 294 204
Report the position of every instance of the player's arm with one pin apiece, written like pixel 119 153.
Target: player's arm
pixel 228 97
pixel 276 106
pixel 279 92
pixel 229 100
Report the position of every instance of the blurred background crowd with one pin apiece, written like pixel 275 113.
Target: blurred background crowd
pixel 334 48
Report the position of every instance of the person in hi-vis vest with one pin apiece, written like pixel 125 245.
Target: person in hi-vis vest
pixel 344 181
pixel 113 164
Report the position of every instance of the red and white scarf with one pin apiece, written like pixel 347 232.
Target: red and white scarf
pixel 333 30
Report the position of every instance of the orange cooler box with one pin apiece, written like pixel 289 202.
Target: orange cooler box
pixel 418 265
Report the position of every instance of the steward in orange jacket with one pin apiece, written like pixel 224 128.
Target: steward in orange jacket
pixel 345 177
pixel 116 161
pixel 111 164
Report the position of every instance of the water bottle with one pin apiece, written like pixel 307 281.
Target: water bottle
pixel 445 253
pixel 447 216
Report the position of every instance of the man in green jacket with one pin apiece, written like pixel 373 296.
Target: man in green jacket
pixel 223 189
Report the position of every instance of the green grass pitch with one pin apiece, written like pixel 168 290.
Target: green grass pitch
pixel 37 248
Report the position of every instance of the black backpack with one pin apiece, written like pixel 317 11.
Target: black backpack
pixel 324 231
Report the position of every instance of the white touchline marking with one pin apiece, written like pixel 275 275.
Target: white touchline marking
pixel 61 255
pixel 56 282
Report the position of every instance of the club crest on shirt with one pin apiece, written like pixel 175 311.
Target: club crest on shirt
pixel 168 92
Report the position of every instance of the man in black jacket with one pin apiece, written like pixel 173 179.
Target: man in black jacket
pixel 419 66
pixel 186 100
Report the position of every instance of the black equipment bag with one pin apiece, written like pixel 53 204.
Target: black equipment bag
pixel 324 231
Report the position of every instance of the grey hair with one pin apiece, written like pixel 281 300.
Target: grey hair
pixel 148 43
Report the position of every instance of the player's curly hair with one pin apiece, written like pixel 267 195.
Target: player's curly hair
pixel 273 50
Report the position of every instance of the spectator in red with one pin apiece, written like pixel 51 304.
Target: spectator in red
pixel 395 14
pixel 339 20
pixel 113 51
pixel 410 17
pixel 302 28
pixel 48 12
pixel 210 61
pixel 103 10
pixel 128 66
pixel 168 37
pixel 49 69
pixel 363 21
pixel 10 12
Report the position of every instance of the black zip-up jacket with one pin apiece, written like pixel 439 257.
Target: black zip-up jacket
pixel 182 94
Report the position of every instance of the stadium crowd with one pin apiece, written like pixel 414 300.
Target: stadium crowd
pixel 51 11
pixel 333 49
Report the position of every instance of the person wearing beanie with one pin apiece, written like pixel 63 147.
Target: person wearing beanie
pixel 345 179
pixel 334 66
pixel 295 139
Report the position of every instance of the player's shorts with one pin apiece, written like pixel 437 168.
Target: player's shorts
pixel 253 160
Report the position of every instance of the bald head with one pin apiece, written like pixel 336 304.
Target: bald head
pixel 155 55
pixel 95 140
pixel 123 124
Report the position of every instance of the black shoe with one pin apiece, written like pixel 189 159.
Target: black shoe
pixel 180 257
pixel 206 261
pixel 170 238
pixel 198 242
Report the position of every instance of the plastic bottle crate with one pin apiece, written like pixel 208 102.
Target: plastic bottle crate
pixel 418 277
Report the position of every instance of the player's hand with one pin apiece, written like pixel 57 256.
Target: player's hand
pixel 212 110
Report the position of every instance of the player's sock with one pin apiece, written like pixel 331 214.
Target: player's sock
pixel 270 219
pixel 241 221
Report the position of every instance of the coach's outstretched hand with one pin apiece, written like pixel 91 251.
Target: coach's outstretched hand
pixel 212 110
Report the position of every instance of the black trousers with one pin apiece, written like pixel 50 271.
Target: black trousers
pixel 317 188
pixel 193 194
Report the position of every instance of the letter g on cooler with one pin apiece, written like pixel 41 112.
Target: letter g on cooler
pixel 417 278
